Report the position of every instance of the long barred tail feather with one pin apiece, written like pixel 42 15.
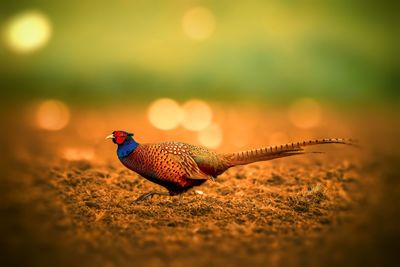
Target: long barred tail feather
pixel 274 152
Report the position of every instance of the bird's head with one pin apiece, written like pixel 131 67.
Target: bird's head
pixel 119 137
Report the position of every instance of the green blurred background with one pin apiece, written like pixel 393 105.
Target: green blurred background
pixel 267 51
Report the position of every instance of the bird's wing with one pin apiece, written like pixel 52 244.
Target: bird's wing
pixel 189 165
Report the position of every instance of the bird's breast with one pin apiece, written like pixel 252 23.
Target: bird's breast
pixel 154 164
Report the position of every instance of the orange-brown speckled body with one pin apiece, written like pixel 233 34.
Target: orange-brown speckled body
pixel 176 166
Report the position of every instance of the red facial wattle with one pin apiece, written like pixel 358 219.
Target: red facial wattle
pixel 120 137
pixel 120 140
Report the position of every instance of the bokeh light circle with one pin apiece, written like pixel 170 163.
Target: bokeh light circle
pixel 197 115
pixel 305 113
pixel 211 137
pixel 52 115
pixel 198 23
pixel 28 31
pixel 165 114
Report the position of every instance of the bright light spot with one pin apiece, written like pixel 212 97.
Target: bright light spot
pixel 199 192
pixel 211 137
pixel 52 115
pixel 78 154
pixel 197 115
pixel 198 23
pixel 27 31
pixel 305 113
pixel 165 114
pixel 278 138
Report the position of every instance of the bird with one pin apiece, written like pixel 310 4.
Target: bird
pixel 180 166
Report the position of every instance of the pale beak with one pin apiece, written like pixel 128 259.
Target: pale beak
pixel 111 136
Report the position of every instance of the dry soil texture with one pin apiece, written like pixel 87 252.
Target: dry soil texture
pixel 336 209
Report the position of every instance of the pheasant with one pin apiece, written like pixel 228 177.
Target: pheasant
pixel 179 166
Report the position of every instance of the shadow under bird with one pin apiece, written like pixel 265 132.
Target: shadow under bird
pixel 179 166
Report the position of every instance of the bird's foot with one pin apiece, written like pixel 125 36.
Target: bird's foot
pixel 150 195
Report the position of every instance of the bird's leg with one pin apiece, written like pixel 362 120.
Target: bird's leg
pixel 151 194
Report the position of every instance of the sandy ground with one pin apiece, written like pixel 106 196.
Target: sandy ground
pixel 336 209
